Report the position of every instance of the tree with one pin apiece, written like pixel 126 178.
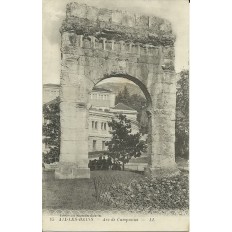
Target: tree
pixel 124 145
pixel 123 97
pixel 182 115
pixel 51 131
pixel 138 103
pixel 126 96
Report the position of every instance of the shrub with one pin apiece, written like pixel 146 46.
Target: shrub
pixel 148 195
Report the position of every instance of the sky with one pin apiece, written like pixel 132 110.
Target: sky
pixel 54 11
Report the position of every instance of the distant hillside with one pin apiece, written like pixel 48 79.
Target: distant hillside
pixel 117 87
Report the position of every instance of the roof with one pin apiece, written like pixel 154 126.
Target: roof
pixel 97 89
pixel 51 85
pixel 54 101
pixel 122 106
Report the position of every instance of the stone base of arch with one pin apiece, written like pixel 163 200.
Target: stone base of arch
pixel 160 172
pixel 71 171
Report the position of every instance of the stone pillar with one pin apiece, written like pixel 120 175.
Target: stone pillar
pixel 74 122
pixel 162 132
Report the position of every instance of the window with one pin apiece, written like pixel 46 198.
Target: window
pixel 94 145
pixel 92 124
pixel 95 125
pixel 104 126
pixel 103 145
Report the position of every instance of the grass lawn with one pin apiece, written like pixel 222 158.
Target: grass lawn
pixel 79 193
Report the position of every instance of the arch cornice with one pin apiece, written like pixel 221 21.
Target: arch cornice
pixel 98 29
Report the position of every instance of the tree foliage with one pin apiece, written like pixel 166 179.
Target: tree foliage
pixel 123 97
pixel 124 145
pixel 182 115
pixel 138 103
pixel 51 132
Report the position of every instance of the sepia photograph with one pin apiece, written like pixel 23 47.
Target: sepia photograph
pixel 115 133
pixel 116 115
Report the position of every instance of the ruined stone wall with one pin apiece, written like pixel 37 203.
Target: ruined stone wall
pixel 101 43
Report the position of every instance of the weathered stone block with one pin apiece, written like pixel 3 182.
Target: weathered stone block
pixel 69 93
pixel 68 170
pixel 143 51
pixel 91 13
pixel 80 70
pixel 89 52
pixel 66 157
pixel 163 77
pixel 155 22
pixel 166 26
pixel 131 69
pixel 160 160
pixel 127 47
pixel 87 42
pixel 168 65
pixel 104 15
pixel 73 120
pixel 108 45
pixel 128 19
pixel 81 61
pixel 168 52
pixel 98 44
pixel 134 48
pixel 117 46
pixel 163 88
pixel 76 10
pixel 162 152
pixel 163 136
pixel 163 113
pixel 77 148
pixel 149 59
pixel 65 39
pixel 142 21
pixel 117 17
pixel 163 124
pixel 70 64
pixel 71 79
pixel 142 71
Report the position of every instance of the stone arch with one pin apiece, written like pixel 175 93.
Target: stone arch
pixel 97 44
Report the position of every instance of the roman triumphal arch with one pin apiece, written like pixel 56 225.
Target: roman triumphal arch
pixel 101 43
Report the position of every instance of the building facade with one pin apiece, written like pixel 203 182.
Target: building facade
pixel 50 92
pixel 102 110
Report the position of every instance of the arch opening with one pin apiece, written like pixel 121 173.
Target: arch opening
pixel 132 79
pixel 100 110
